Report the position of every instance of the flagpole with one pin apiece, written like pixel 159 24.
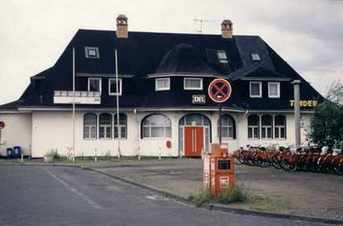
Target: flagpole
pixel 117 102
pixel 74 105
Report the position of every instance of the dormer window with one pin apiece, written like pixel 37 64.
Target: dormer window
pixel 94 85
pixel 112 87
pixel 92 52
pixel 162 84
pixel 221 54
pixel 192 83
pixel 255 57
pixel 256 89
pixel 273 89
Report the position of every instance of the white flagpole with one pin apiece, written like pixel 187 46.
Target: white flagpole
pixel 117 101
pixel 74 105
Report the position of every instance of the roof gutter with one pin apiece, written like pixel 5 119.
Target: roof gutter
pixel 167 109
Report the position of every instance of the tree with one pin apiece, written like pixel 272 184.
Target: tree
pixel 327 122
pixel 335 93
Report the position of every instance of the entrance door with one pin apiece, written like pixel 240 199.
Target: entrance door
pixel 194 141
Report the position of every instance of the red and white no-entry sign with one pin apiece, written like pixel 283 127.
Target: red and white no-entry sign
pixel 219 90
pixel 2 125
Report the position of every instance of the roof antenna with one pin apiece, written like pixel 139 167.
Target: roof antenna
pixel 201 21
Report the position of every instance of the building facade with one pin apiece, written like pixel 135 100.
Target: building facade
pixel 161 91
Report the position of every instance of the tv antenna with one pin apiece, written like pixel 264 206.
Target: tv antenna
pixel 201 21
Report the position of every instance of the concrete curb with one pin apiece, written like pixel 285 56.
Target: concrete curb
pixel 39 164
pixel 221 207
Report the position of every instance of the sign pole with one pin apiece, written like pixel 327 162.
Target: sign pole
pixel 2 125
pixel 0 136
pixel 220 123
pixel 117 102
pixel 219 91
pixel 74 154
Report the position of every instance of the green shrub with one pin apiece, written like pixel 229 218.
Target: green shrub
pixel 53 155
pixel 228 195
pixel 232 194
pixel 202 197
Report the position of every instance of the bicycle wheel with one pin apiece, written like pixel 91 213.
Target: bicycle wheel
pixel 339 168
pixel 286 165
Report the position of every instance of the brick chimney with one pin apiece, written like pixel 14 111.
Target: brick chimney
pixel 227 29
pixel 122 26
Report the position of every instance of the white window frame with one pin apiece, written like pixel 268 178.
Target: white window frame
pixel 227 127
pixel 278 89
pixel 279 128
pixel 255 57
pixel 260 85
pixel 120 87
pixel 253 128
pixel 100 84
pixel 193 88
pixel 167 129
pixel 90 127
pixel 120 127
pixel 105 127
pixel 162 88
pixel 222 57
pixel 265 127
pixel 89 48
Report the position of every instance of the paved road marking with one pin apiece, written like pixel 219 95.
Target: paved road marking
pixel 156 197
pixel 74 190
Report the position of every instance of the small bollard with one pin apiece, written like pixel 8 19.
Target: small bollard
pixel 21 157
pixel 95 156
pixel 159 156
pixel 139 157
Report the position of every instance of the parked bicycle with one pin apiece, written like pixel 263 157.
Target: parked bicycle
pixel 303 159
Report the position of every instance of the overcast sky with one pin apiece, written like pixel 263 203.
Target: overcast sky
pixel 308 34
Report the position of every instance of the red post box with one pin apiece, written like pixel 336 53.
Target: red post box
pixel 218 169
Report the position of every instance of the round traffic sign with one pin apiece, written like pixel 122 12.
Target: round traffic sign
pixel 2 125
pixel 219 90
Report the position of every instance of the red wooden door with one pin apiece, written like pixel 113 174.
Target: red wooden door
pixel 193 141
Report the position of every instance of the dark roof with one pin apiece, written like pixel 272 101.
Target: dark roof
pixel 147 53
pixel 184 58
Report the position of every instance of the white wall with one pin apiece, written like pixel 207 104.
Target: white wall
pixel 242 132
pixel 153 146
pixel 17 132
pixel 53 130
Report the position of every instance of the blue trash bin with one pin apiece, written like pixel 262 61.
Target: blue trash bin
pixel 9 152
pixel 17 152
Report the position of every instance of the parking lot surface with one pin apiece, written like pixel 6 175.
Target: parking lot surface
pixel 296 193
pixel 41 195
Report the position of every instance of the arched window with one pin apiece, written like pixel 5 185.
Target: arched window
pixel 122 126
pixel 89 126
pixel 228 127
pixel 280 127
pixel 105 126
pixel 156 125
pixel 253 127
pixel 267 126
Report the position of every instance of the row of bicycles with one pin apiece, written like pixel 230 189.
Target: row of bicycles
pixel 323 160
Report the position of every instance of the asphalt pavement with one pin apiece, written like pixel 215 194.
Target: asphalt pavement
pixel 42 195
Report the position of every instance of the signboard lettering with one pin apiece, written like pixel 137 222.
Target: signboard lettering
pixel 198 99
pixel 305 103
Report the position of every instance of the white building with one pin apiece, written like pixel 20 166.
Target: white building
pixel 162 88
